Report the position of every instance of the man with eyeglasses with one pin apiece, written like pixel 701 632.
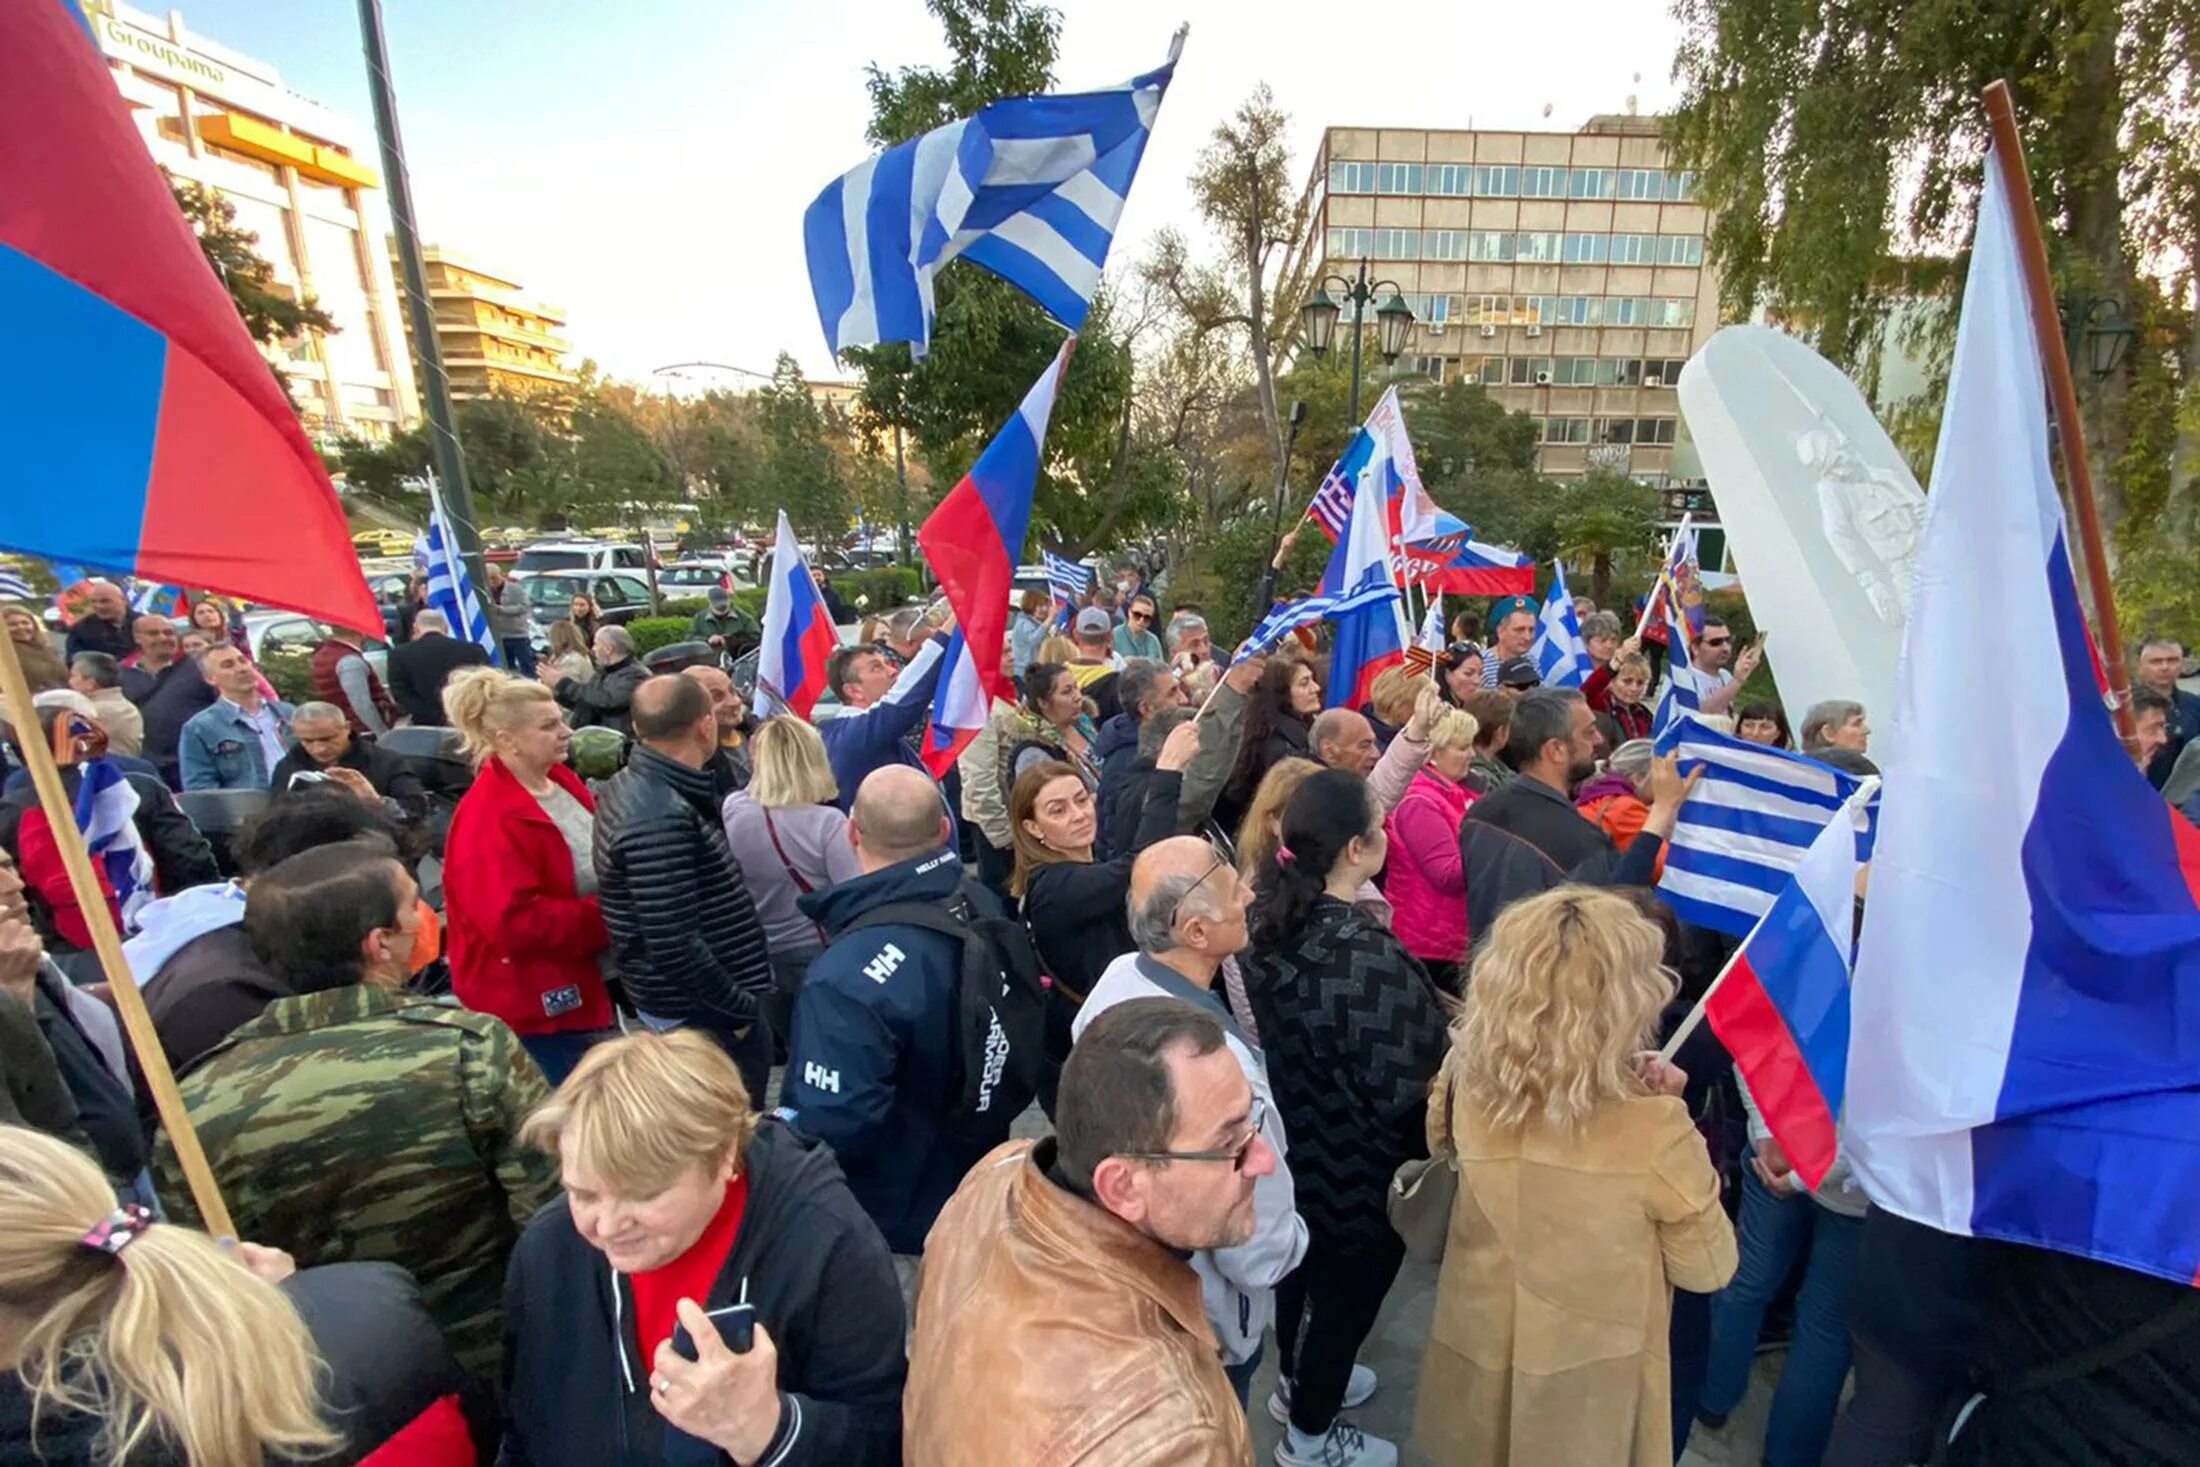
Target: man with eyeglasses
pixel 1713 650
pixel 1136 636
pixel 1057 1318
pixel 1187 915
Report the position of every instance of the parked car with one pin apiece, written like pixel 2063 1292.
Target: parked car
pixel 620 598
pixel 691 577
pixel 275 633
pixel 579 555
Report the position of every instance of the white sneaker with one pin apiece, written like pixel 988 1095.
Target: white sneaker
pixel 1344 1445
pixel 1357 1389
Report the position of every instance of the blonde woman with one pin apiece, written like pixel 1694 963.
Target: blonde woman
pixel 1057 649
pixel 526 937
pixel 680 1200
pixel 1585 1197
pixel 1427 881
pixel 569 655
pixel 127 1341
pixel 789 838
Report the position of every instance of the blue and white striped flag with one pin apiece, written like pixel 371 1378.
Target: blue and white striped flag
pixel 106 807
pixel 1746 826
pixel 1294 614
pixel 1030 188
pixel 1067 582
pixel 1559 653
pixel 450 588
pixel 151 598
pixel 13 585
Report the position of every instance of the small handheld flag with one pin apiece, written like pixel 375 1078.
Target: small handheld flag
pixel 1559 653
pixel 13 586
pixel 798 635
pixel 1291 615
pixel 1067 582
pixel 1030 188
pixel 106 809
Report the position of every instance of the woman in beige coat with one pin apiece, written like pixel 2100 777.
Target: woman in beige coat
pixel 1585 1197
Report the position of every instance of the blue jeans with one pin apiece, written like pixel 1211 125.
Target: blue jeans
pixel 556 1054
pixel 519 655
pixel 1774 1231
pixel 1241 1376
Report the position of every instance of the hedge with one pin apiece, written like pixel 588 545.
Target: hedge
pixel 291 673
pixel 888 587
pixel 652 632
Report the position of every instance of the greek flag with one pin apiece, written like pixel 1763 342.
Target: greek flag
pixel 1746 827
pixel 12 584
pixel 1067 582
pixel 149 598
pixel 1029 187
pixel 450 588
pixel 106 807
pixel 1294 614
pixel 1559 653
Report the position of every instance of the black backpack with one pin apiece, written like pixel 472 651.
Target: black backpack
pixel 1000 1018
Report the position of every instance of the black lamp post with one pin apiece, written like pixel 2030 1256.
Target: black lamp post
pixel 1320 313
pixel 2097 325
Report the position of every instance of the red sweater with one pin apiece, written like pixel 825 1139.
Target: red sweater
pixel 657 1293
pixel 524 944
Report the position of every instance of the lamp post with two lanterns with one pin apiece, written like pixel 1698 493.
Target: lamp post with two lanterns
pixel 1320 314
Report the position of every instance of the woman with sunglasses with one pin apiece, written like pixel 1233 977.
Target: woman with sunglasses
pixel 1459 672
pixel 1136 636
pixel 1354 1032
pixel 1187 915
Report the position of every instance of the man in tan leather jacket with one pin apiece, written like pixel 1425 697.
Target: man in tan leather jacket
pixel 1058 1321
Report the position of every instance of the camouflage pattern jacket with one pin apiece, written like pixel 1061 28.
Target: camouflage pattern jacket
pixel 361 1124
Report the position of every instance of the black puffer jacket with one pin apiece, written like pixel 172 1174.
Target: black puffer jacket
pixel 684 932
pixel 607 699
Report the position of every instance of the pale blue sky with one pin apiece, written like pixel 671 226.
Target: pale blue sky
pixel 645 163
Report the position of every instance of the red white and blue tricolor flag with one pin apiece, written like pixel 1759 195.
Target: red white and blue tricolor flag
pixel 1782 1007
pixel 186 465
pixel 2024 1057
pixel 973 542
pixel 1457 562
pixel 1368 631
pixel 798 632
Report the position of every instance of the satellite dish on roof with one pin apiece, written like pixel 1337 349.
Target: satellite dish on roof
pixel 1546 109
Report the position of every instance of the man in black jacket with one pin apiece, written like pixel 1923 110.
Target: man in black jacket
pixel 1527 837
pixel 420 667
pixel 684 933
pixel 730 1212
pixel 168 690
pixel 326 745
pixel 1143 687
pixel 607 699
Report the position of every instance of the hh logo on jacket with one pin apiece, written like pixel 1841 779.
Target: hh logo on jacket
pixel 882 967
pixel 817 1077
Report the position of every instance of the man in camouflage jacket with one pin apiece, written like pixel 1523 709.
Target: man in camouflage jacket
pixel 356 1121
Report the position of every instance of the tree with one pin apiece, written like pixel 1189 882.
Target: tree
pixel 379 469
pixel 501 439
pixel 1839 148
pixel 1243 188
pixel 1604 518
pixel 271 312
pixel 800 472
pixel 614 460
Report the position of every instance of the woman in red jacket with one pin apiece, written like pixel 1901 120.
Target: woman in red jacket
pixel 527 941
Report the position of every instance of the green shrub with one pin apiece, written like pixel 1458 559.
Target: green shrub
pixel 292 675
pixel 683 606
pixel 652 632
pixel 888 587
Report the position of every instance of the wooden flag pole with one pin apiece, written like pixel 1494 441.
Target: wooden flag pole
pixel 2062 395
pixel 92 902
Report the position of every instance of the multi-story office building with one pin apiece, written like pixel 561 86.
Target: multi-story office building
pixel 296 174
pixel 494 337
pixel 1563 271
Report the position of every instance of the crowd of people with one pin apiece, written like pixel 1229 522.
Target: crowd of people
pixel 667 1111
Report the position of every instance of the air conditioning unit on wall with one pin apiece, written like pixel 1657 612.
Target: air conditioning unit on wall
pixel 1535 331
pixel 1488 331
pixel 1542 379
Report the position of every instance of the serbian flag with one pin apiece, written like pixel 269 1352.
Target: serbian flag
pixel 973 542
pixel 140 429
pixel 1455 561
pixel 2024 1061
pixel 1372 635
pixel 798 632
pixel 1782 1006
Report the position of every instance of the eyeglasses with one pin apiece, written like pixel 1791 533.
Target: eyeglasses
pixel 1714 641
pixel 1235 1155
pixel 1177 909
pixel 1141 616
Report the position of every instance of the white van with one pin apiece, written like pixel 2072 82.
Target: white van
pixel 579 555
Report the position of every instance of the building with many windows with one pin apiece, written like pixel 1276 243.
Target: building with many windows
pixel 495 338
pixel 296 175
pixel 1563 271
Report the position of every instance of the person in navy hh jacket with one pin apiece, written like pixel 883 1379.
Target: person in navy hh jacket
pixel 870 1069
pixel 879 711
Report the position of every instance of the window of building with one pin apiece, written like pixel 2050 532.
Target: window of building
pixel 1431 310
pixel 1585 249
pixel 1453 180
pixel 1673 311
pixel 1431 367
pixel 1541 248
pixel 1489 371
pixel 1574 371
pixel 1667 371
pixel 1680 186
pixel 1491 245
pixel 1543 183
pixel 1351 243
pixel 1656 430
pixel 1643 184
pixel 1591 183
pixel 1397 178
pixel 1496 182
pixel 1443 244
pixel 1565 430
pixel 1352 178
pixel 1530 371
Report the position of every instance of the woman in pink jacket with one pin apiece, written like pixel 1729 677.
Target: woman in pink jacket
pixel 1427 884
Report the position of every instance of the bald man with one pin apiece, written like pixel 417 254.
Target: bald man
pixel 1343 739
pixel 1187 914
pixel 729 766
pixel 873 1068
pixel 684 930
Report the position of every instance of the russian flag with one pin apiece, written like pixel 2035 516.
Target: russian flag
pixel 1457 562
pixel 973 541
pixel 1782 1006
pixel 2024 1061
pixel 1366 640
pixel 798 632
pixel 140 428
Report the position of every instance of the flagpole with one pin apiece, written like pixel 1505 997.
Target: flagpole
pixel 2062 391
pixel 91 902
pixel 1650 601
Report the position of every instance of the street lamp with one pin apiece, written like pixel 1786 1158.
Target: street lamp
pixel 1320 314
pixel 2099 326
